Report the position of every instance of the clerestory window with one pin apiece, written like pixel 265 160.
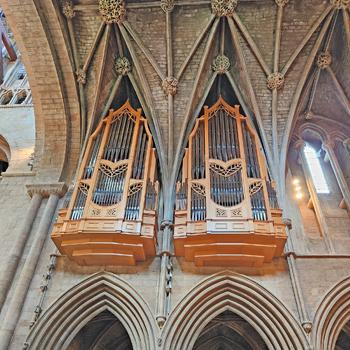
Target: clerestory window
pixel 316 170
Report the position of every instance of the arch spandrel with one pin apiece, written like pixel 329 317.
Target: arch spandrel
pixel 240 295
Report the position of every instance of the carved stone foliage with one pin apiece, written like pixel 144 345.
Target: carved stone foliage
pixel 68 8
pixel 167 5
pixel 81 76
pixel 275 81
pixel 223 7
pixel 169 85
pixel 324 60
pixel 221 64
pixel 281 3
pixel 341 4
pixel 112 11
pixel 122 66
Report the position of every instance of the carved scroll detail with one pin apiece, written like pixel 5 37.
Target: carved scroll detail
pixel 226 172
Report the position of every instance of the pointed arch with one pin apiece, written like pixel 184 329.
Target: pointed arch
pixel 228 291
pixel 99 292
pixel 331 316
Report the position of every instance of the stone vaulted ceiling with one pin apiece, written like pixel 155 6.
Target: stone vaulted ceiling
pixel 170 54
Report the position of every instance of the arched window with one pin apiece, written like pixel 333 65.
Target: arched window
pixel 315 168
pixel 111 216
pixel 225 192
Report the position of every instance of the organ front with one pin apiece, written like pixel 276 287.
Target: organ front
pixel 111 216
pixel 226 206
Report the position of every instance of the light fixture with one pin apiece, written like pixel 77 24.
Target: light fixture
pixel 295 181
pixel 299 195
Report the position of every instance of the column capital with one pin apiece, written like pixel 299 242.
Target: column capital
pixel 346 142
pixel 45 190
pixel 328 145
pixel 299 144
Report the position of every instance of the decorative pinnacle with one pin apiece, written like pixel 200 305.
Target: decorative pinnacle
pixel 122 66
pixel 68 9
pixel 275 81
pixel 341 4
pixel 167 5
pixel 281 3
pixel 169 85
pixel 112 11
pixel 221 64
pixel 324 60
pixel 223 8
pixel 81 76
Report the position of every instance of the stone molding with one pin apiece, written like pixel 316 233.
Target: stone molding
pixel 68 9
pixel 221 64
pixel 222 8
pixel 167 5
pixel 324 60
pixel 81 76
pixel 45 190
pixel 169 85
pixel 340 4
pixel 331 316
pixel 99 292
pixel 122 66
pixel 112 11
pixel 281 3
pixel 275 81
pixel 241 295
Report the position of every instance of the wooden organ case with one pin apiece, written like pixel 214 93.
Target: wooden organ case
pixel 111 217
pixel 226 208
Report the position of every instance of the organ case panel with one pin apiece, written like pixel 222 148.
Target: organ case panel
pixel 226 207
pixel 111 216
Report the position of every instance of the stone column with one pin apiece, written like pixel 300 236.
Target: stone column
pixel 16 303
pixel 346 144
pixel 314 197
pixel 9 269
pixel 294 278
pixel 338 172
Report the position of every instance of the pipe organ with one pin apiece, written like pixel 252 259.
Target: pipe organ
pixel 226 207
pixel 111 216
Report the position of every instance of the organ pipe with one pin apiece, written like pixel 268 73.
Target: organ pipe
pixel 119 153
pixel 226 169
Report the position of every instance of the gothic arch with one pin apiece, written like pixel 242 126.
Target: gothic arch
pixel 99 292
pixel 331 316
pixel 240 295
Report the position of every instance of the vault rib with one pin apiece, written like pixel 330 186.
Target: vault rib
pixel 252 44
